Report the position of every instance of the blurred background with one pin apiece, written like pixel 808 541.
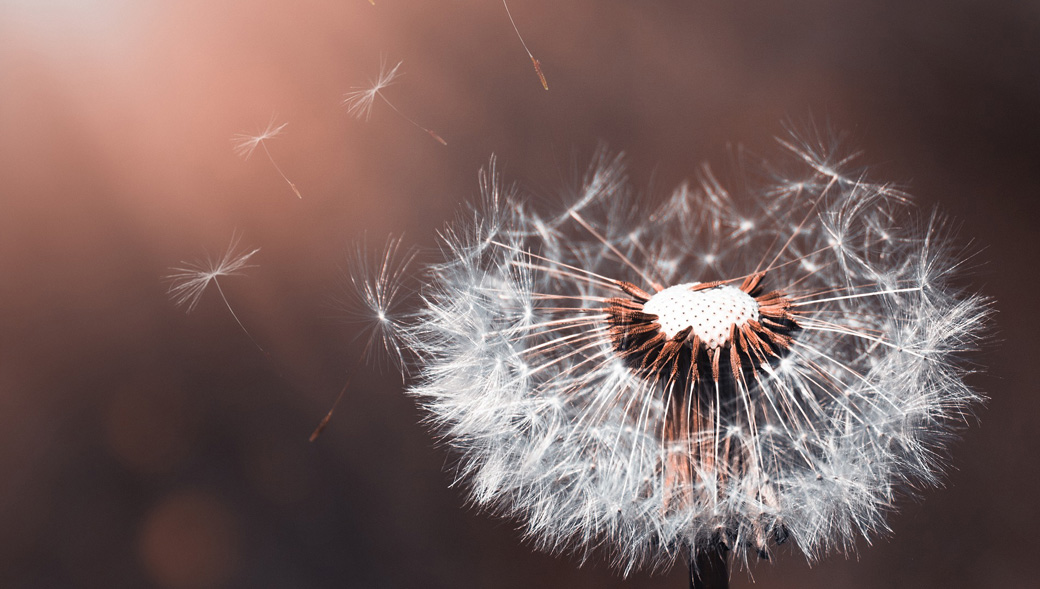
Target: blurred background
pixel 143 446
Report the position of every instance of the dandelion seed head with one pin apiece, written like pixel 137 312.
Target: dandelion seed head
pixel 719 372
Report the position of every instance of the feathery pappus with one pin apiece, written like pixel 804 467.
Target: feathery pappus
pixel 710 377
pixel 191 279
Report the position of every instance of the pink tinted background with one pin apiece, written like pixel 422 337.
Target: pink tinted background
pixel 143 446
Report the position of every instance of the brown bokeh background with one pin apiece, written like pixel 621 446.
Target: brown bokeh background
pixel 142 446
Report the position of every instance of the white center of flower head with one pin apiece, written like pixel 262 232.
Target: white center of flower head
pixel 711 312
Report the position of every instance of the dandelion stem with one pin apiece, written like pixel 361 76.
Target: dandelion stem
pixel 708 569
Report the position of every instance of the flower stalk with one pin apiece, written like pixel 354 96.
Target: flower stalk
pixel 709 569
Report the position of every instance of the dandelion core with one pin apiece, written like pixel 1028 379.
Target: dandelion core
pixel 678 330
pixel 711 313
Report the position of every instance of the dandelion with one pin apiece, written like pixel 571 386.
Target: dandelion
pixel 245 145
pixel 537 64
pixel 359 101
pixel 189 281
pixel 700 380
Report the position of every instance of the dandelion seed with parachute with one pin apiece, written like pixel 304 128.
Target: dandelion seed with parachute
pixel 376 299
pixel 245 145
pixel 190 280
pixel 700 380
pixel 359 101
pixel 537 64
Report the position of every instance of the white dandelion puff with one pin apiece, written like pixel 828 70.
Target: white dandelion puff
pixel 190 280
pixel 359 101
pixel 245 145
pixel 702 380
